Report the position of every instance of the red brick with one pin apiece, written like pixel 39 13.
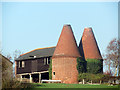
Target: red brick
pixel 66 45
pixel 65 69
pixel 64 59
pixel 89 45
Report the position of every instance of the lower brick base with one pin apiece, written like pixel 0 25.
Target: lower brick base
pixel 65 69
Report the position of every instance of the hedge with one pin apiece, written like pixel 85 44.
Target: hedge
pixel 50 69
pixel 81 65
pixel 94 77
pixel 94 66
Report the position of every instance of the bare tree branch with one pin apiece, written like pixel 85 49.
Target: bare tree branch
pixel 113 54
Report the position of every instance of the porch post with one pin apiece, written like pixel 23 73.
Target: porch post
pixel 39 77
pixel 30 78
pixel 20 77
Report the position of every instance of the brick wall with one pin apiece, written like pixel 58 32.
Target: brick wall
pixel 65 69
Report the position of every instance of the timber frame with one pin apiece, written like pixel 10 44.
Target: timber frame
pixel 30 76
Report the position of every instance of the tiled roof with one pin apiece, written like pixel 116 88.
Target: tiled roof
pixel 3 57
pixel 88 45
pixel 37 53
pixel 66 45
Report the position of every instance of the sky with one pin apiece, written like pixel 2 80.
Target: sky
pixel 30 25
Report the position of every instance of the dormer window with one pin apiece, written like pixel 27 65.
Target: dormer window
pixel 32 56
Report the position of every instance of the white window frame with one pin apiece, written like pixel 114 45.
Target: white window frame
pixel 23 64
pixel 44 61
pixel 47 60
pixel 54 74
pixel 19 64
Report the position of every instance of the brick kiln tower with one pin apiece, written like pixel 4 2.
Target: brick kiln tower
pixel 64 59
pixel 88 46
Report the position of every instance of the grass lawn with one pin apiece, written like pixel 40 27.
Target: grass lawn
pixel 61 85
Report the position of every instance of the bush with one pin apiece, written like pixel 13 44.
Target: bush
pixel 15 84
pixel 94 77
pixel 94 66
pixel 81 65
pixel 50 69
pixel 82 76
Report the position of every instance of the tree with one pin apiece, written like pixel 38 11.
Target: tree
pixel 16 54
pixel 9 57
pixel 94 66
pixel 112 54
pixel 81 65
pixel 12 56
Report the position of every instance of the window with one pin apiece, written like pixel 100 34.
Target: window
pixel 32 56
pixel 45 62
pixel 21 64
pixel 53 73
pixel 48 61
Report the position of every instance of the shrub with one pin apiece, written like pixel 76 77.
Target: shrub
pixel 94 77
pixel 81 65
pixel 13 83
pixel 94 66
pixel 82 76
pixel 50 69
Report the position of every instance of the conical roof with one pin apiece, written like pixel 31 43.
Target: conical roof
pixel 88 46
pixel 66 45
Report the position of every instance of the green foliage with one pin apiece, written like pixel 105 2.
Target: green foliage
pixel 71 86
pixel 81 65
pixel 94 66
pixel 7 80
pixel 50 69
pixel 94 77
pixel 13 83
